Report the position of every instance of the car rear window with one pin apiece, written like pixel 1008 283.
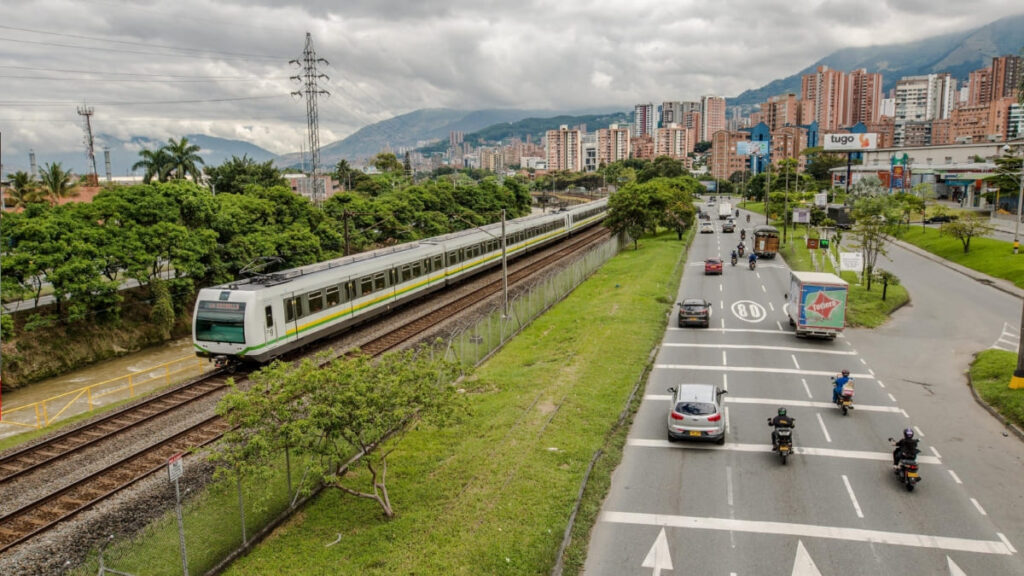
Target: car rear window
pixel 695 408
pixel 694 308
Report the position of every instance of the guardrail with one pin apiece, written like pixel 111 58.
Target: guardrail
pixel 45 412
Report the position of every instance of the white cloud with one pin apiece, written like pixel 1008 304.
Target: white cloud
pixel 163 69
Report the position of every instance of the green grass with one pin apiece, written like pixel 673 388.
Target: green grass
pixel 493 494
pixel 865 308
pixel 990 375
pixel 987 255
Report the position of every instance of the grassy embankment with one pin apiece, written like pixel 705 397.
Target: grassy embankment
pixel 990 375
pixel 493 494
pixel 987 255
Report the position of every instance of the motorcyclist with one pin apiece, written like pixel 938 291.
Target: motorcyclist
pixel 752 258
pixel 748 218
pixel 905 446
pixel 737 212
pixel 839 382
pixel 734 257
pixel 740 247
pixel 780 421
pixel 743 234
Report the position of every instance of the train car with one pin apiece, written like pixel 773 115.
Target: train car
pixel 257 319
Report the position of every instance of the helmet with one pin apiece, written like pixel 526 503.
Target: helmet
pixel 782 411
pixel 846 372
pixel 908 433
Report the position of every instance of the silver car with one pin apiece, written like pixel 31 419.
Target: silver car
pixel 696 413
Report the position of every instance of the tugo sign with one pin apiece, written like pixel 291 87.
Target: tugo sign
pixel 851 142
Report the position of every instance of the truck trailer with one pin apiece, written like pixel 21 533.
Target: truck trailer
pixel 724 210
pixel 817 304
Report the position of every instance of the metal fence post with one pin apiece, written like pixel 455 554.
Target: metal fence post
pixel 241 510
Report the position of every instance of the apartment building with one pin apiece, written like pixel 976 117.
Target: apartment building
pixel 865 97
pixel 828 90
pixel 724 159
pixel 1006 75
pixel 712 109
pixel 675 141
pixel 613 144
pixel 779 111
pixel 644 120
pixel 564 149
pixel 922 99
pixel 642 146
pixel 979 87
pixel 788 142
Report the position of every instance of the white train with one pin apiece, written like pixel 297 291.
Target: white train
pixel 258 319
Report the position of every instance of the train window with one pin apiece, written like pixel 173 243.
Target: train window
pixel 365 285
pixel 392 277
pixel 416 270
pixel 406 272
pixel 333 296
pixel 453 258
pixel 438 263
pixel 292 309
pixel 269 312
pixel 316 301
pixel 379 282
pixel 220 321
pixel 426 265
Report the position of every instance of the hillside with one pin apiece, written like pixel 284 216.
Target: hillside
pixel 534 128
pixel 958 54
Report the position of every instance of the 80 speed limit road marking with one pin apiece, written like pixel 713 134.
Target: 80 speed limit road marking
pixel 748 311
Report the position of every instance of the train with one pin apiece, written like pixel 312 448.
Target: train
pixel 257 319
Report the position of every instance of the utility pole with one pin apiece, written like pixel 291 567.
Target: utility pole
pixel 86 112
pixel 308 78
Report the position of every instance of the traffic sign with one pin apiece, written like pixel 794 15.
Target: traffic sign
pixel 175 466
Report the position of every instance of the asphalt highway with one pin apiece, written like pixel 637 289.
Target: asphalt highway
pixel 836 508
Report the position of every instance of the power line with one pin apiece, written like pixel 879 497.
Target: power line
pixel 122 80
pixel 36 103
pixel 144 53
pixel 106 73
pixel 143 44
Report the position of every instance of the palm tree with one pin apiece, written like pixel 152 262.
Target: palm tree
pixel 23 190
pixel 57 182
pixel 184 160
pixel 155 162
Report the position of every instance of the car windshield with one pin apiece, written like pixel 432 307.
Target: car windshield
pixel 695 408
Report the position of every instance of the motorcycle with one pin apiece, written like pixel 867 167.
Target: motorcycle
pixel 753 264
pixel 785 442
pixel 739 250
pixel 907 470
pixel 743 234
pixel 845 400
pixel 748 218
pixel 733 259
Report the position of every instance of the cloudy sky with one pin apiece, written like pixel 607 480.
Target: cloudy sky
pixel 164 68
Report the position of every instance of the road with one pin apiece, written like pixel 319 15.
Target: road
pixel 836 508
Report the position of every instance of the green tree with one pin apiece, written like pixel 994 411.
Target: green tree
pixel 347 413
pixel 875 220
pixel 155 163
pixel 965 228
pixel 386 162
pixel 23 190
pixel 57 183
pixel 629 211
pixel 183 160
pixel 234 176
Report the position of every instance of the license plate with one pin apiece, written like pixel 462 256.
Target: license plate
pixel 783 448
pixel 694 432
pixel 847 403
pixel 693 319
pixel 911 474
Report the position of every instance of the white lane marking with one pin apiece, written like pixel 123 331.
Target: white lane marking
pixel 753 369
pixel 795 363
pixel 978 506
pixel 782 401
pixel 853 497
pixel 723 322
pixel 864 362
pixel 720 288
pixel 891 397
pixel 724 363
pixel 810 531
pixel 806 387
pixel 721 304
pixel 726 419
pixel 870 371
pixel 918 432
pixel 1007 542
pixel 758 274
pixel 757 347
pixel 905 415
pixel 658 557
pixel 803 565
pixel 771 306
pixel 880 384
pixel 823 429
pixel 955 477
pixel 936 452
pixel 725 382
pixel 779 324
pixel 804 451
pixel 728 485
pixel 763 289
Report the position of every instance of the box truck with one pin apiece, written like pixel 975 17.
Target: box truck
pixel 817 304
pixel 724 210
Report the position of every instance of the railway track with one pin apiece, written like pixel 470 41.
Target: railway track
pixel 64 503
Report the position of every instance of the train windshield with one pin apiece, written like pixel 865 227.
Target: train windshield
pixel 221 322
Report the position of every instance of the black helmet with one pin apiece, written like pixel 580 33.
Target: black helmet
pixel 908 433
pixel 782 411
pixel 846 372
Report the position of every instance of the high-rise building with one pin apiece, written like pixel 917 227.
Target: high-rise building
pixel 788 142
pixel 921 99
pixel 675 141
pixel 865 97
pixel 712 109
pixel 779 111
pixel 1006 75
pixel 564 150
pixel 829 91
pixel 979 87
pixel 724 159
pixel 671 113
pixel 613 144
pixel 644 120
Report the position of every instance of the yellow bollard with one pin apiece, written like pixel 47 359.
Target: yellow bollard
pixel 1016 246
pixel 1016 382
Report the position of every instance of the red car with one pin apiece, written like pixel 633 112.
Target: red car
pixel 713 266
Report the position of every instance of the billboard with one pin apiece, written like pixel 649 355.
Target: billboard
pixel 748 147
pixel 850 142
pixel 802 215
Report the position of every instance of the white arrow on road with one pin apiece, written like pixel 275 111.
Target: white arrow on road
pixel 802 564
pixel 954 570
pixel 659 557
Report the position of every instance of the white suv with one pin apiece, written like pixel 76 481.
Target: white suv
pixel 696 413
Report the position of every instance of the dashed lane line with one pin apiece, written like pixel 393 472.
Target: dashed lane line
pixel 755 369
pixel 798 450
pixel 810 531
pixel 783 402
